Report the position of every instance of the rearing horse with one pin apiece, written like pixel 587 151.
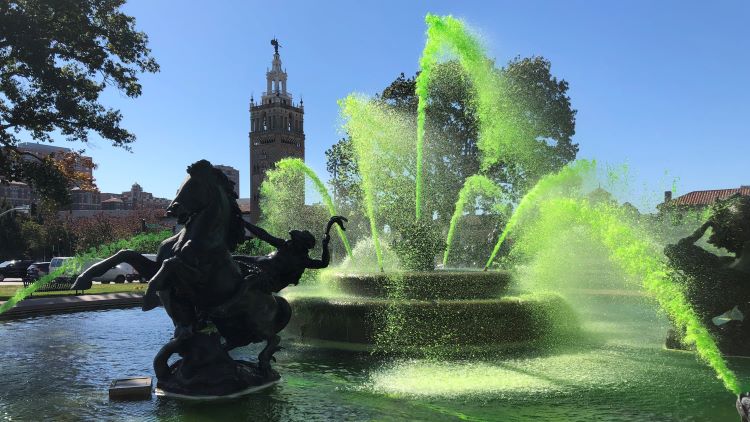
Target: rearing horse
pixel 195 275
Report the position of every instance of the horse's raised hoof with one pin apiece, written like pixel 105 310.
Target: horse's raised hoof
pixel 743 406
pixel 82 283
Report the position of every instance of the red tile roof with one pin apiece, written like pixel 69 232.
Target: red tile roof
pixel 707 197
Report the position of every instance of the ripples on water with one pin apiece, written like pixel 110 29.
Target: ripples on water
pixel 59 368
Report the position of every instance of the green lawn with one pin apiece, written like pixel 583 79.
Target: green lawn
pixel 8 291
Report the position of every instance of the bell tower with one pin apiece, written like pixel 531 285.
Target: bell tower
pixel 276 129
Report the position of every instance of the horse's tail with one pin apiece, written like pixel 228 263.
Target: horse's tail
pixel 161 365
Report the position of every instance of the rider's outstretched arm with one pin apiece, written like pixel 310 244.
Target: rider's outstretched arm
pixel 264 235
pixel 324 260
pixel 697 234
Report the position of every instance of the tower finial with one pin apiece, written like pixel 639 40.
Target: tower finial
pixel 275 44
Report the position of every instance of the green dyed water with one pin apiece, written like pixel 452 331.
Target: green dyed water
pixel 557 211
pixel 499 140
pixel 384 149
pixel 567 178
pixel 473 186
pixel 296 164
pixel 144 242
pixel 616 382
pixel 498 128
pixel 642 259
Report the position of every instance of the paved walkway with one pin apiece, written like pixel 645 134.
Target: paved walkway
pixel 64 304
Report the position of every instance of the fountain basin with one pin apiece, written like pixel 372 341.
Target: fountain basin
pixel 410 325
pixel 432 285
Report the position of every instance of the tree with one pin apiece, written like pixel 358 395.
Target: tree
pixel 56 58
pixel 342 165
pixel 11 240
pixel 451 153
pixel 99 229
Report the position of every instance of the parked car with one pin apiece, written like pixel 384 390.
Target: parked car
pixel 117 274
pixel 36 271
pixel 134 276
pixel 14 269
pixel 58 262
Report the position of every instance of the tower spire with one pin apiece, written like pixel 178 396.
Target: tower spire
pixel 276 77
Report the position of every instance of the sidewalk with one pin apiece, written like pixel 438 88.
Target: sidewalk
pixel 64 304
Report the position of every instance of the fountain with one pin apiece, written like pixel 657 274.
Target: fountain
pixel 415 309
pixel 430 312
pixel 579 319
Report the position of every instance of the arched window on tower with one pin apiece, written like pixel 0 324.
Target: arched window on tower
pixel 265 122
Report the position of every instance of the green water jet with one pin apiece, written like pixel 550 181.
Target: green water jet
pixel 474 185
pixel 570 175
pixel 632 251
pixel 73 266
pixel 498 132
pixel 296 164
pixel 380 139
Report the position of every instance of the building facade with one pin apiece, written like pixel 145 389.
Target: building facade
pixel 83 164
pixel 233 174
pixel 276 130
pixel 20 194
pixel 16 194
pixel 136 199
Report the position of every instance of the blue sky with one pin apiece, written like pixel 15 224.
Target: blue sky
pixel 660 86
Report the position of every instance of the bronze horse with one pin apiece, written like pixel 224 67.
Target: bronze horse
pixel 201 284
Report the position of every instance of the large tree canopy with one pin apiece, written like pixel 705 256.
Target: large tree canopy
pixel 451 152
pixel 56 58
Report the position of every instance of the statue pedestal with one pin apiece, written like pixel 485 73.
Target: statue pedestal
pixel 264 381
pixel 206 371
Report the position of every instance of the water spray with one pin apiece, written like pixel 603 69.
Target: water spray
pixel 473 186
pixel 296 164
pixel 569 176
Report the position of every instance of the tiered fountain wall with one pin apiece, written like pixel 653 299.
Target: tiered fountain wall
pixel 431 312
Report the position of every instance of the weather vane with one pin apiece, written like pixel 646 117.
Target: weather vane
pixel 275 44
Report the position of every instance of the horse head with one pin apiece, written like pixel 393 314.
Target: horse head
pixel 207 205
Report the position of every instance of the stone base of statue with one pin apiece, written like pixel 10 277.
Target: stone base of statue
pixel 252 381
pixel 206 371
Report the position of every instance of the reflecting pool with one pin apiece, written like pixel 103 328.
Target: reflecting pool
pixel 59 368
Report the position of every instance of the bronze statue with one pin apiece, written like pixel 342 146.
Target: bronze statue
pixel 743 407
pixel 718 287
pixel 217 301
